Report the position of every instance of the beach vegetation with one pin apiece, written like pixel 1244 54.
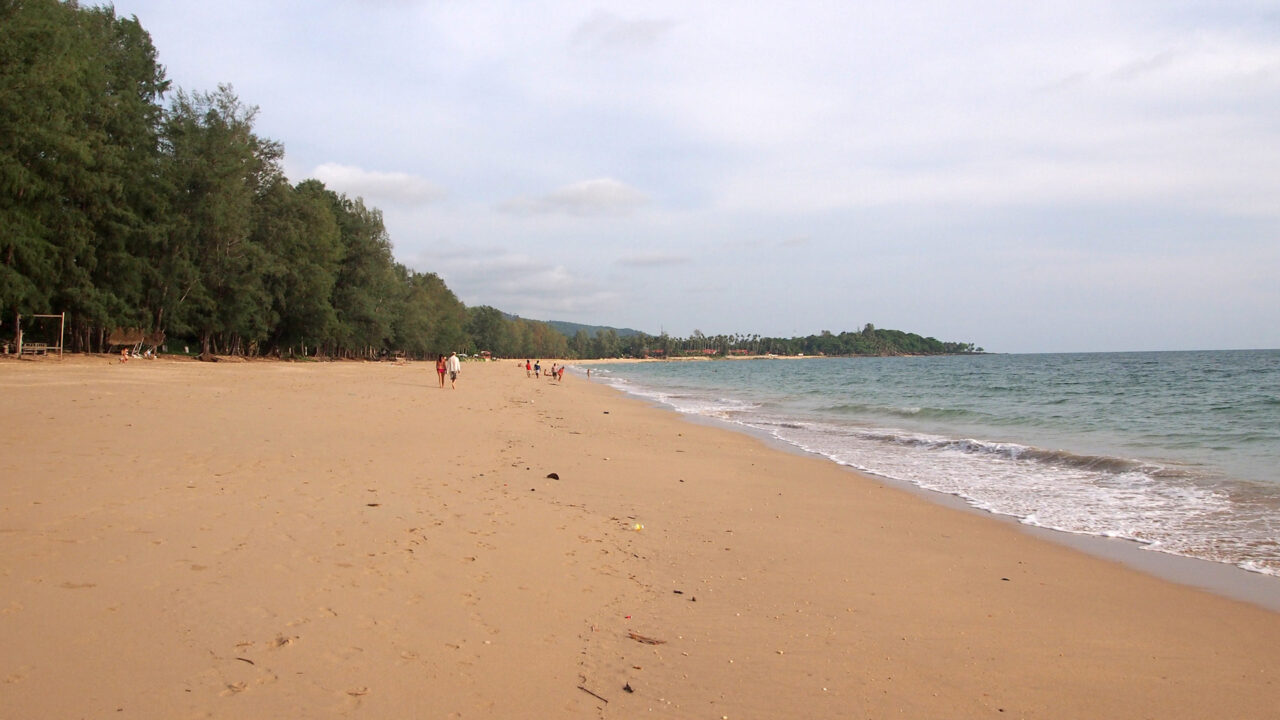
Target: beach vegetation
pixel 867 342
pixel 125 205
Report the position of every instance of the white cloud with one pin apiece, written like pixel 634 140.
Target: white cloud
pixel 518 282
pixel 602 197
pixel 653 259
pixel 604 31
pixel 378 187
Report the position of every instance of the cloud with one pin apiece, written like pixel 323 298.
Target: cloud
pixel 518 283
pixel 654 259
pixel 602 197
pixel 392 187
pixel 604 31
pixel 1135 69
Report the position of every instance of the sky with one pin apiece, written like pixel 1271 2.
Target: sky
pixel 1029 177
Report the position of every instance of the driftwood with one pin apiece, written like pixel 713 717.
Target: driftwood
pixel 594 695
pixel 646 640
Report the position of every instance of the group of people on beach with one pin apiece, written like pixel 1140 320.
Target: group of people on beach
pixel 126 354
pixel 451 365
pixel 534 369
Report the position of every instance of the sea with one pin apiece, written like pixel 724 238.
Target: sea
pixel 1177 451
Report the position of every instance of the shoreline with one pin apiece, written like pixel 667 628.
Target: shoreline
pixel 1222 578
pixel 1225 579
pixel 252 539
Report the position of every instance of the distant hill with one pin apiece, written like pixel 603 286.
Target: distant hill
pixel 569 329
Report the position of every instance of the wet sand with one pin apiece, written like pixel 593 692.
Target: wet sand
pixel 188 540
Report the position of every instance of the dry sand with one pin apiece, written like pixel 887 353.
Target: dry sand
pixel 269 540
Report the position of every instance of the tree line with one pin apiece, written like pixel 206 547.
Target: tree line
pixel 868 341
pixel 124 210
pixel 126 205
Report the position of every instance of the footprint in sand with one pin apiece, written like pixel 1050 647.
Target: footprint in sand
pixel 350 699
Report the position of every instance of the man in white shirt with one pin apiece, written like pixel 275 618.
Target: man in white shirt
pixel 454 366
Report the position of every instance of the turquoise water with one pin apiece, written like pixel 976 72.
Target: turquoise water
pixel 1179 450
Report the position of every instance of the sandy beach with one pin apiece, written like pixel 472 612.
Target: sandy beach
pixel 269 540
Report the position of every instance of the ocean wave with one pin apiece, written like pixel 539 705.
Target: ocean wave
pixel 691 402
pixel 1164 508
pixel 1010 451
pixel 923 413
pixel 1060 458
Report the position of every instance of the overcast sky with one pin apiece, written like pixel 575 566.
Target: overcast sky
pixel 1027 176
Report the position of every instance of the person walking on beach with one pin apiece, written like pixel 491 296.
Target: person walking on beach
pixel 537 369
pixel 528 368
pixel 454 366
pixel 441 369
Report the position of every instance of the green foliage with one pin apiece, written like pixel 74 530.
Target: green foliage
pixel 580 345
pixel 869 341
pixel 218 170
pixel 365 291
pixel 299 234
pixel 432 320
pixel 78 110
pixel 489 330
pixel 570 329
